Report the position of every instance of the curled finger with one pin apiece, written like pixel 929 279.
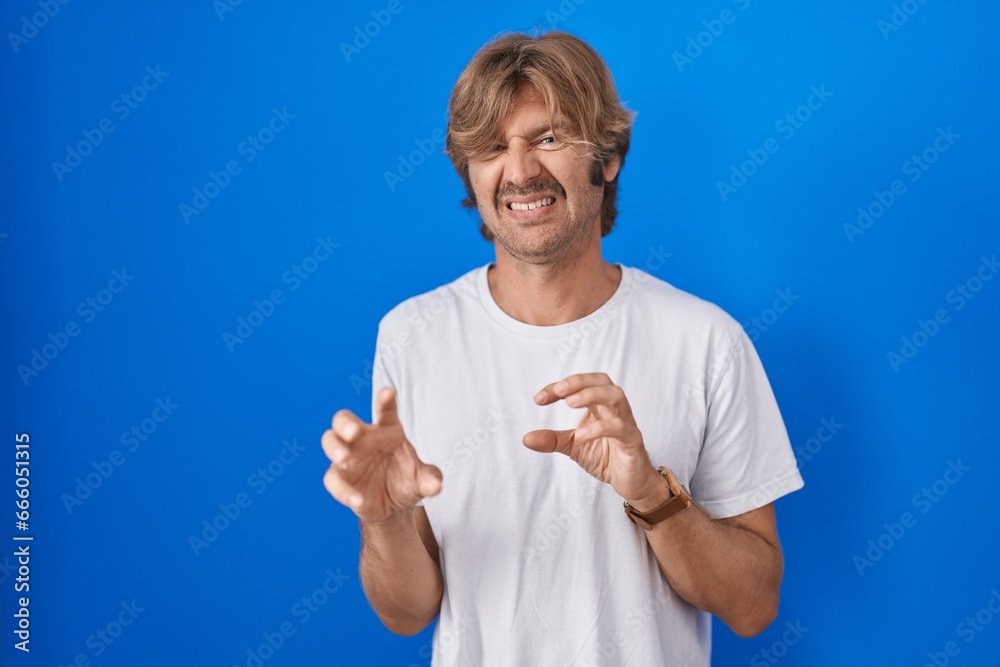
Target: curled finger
pixel 341 490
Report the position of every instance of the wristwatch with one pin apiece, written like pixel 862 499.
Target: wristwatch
pixel 679 500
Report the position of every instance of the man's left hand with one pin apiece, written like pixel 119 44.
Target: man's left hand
pixel 606 443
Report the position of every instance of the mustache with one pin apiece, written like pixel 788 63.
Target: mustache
pixel 512 190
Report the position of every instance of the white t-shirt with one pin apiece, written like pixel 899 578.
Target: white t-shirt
pixel 541 566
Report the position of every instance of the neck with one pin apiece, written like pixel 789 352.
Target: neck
pixel 553 293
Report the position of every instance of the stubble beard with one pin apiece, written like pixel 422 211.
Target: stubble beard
pixel 551 242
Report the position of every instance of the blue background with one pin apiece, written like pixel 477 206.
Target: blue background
pixel 357 115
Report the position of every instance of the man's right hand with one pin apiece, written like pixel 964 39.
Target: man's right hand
pixel 374 469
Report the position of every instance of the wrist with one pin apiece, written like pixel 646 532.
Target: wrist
pixel 652 507
pixel 390 523
pixel 656 492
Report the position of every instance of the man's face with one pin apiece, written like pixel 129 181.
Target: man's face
pixel 531 168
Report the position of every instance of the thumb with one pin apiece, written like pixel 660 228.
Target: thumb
pixel 385 407
pixel 547 440
pixel 429 480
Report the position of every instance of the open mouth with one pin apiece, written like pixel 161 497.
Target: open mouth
pixel 531 206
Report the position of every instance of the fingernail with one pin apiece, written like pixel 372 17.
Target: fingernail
pixel 540 396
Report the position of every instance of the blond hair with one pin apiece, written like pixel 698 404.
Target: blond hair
pixel 575 83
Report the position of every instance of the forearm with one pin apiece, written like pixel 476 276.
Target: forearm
pixel 721 568
pixel 402 581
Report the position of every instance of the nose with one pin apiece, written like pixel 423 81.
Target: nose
pixel 522 165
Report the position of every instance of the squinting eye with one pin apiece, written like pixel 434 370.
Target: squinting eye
pixel 491 153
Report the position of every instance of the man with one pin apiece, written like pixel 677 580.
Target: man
pixel 542 423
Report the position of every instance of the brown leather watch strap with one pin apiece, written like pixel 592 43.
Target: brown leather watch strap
pixel 679 500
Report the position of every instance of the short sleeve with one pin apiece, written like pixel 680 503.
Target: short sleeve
pixel 382 377
pixel 746 459
pixel 380 374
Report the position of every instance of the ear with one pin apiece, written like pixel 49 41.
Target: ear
pixel 611 167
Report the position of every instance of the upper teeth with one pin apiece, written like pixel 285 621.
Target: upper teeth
pixel 548 201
